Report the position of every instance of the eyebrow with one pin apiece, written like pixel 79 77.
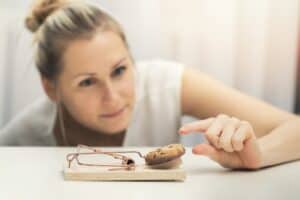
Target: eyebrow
pixel 94 73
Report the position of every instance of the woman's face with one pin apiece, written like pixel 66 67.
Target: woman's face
pixel 97 82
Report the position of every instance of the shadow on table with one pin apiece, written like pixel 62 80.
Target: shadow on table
pixel 221 170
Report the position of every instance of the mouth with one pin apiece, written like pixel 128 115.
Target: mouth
pixel 114 114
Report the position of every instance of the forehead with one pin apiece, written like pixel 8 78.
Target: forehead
pixel 102 50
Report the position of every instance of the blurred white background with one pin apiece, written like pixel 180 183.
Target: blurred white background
pixel 248 44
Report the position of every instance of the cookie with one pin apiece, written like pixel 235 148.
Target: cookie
pixel 165 154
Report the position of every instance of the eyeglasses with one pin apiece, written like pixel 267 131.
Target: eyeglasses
pixel 126 162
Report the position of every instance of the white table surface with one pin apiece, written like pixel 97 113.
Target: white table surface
pixel 36 173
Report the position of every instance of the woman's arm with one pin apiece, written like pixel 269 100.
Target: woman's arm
pixel 204 97
pixel 232 139
pixel 281 144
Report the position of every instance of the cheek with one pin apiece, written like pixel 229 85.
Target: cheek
pixel 80 105
pixel 127 88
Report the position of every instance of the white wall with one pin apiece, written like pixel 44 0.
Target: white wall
pixel 281 61
pixel 2 51
pixel 252 31
pixel 267 50
pixel 204 35
pixel 20 82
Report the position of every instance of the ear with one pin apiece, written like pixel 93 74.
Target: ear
pixel 50 89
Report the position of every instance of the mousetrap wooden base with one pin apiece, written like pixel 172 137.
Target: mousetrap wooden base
pixel 140 173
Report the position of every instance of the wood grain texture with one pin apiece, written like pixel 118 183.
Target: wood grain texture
pixel 141 173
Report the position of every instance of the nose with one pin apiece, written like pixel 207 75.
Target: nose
pixel 110 95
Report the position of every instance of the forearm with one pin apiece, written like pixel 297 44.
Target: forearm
pixel 282 144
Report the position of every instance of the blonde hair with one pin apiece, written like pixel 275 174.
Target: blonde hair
pixel 56 23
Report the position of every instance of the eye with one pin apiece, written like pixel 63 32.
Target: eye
pixel 86 82
pixel 119 71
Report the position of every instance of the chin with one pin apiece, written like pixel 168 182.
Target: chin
pixel 111 130
pixel 115 131
pixel 116 126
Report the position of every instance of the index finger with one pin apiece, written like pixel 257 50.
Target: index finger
pixel 197 126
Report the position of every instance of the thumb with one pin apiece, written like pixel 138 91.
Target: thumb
pixel 227 160
pixel 206 150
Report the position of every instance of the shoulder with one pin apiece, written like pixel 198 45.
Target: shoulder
pixel 159 88
pixel 159 68
pixel 157 75
pixel 31 125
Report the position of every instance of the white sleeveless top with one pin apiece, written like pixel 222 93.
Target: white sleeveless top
pixel 155 120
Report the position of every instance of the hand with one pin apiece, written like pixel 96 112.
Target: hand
pixel 232 143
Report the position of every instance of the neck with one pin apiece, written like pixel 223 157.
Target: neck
pixel 76 133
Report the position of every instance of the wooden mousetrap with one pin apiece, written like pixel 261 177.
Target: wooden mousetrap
pixel 93 164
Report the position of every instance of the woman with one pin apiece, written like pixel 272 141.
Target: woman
pixel 100 96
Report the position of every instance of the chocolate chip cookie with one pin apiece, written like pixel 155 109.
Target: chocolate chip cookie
pixel 165 154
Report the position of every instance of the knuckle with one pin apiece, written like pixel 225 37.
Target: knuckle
pixel 209 138
pixel 222 116
pixel 234 120
pixel 224 142
pixel 210 133
pixel 215 140
pixel 228 148
pixel 238 147
pixel 214 129
pixel 245 124
pixel 229 127
pixel 236 140
pixel 237 144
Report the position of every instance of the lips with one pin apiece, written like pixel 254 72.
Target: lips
pixel 113 114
